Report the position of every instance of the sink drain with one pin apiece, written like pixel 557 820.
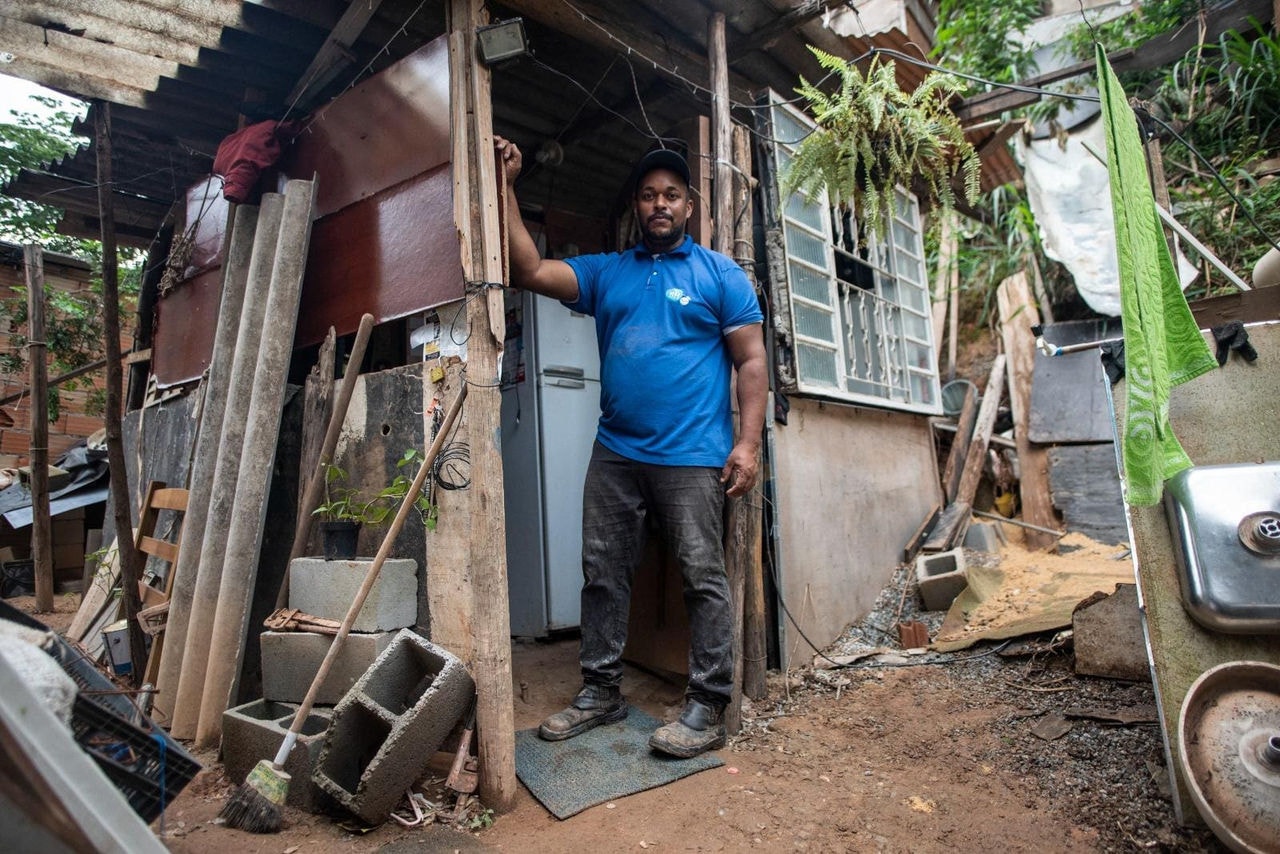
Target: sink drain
pixel 1260 533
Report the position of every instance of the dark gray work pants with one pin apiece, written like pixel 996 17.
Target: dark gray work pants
pixel 687 505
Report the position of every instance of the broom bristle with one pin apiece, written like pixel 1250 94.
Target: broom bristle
pixel 255 805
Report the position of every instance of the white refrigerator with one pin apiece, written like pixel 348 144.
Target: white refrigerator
pixel 550 408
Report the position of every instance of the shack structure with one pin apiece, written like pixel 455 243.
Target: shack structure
pixel 391 108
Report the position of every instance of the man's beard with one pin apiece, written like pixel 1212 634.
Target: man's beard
pixel 662 242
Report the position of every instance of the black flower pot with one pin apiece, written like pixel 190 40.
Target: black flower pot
pixel 340 539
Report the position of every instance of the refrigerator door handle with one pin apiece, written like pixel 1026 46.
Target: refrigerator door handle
pixel 572 371
pixel 564 382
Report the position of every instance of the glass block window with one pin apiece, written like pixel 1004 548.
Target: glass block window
pixel 860 308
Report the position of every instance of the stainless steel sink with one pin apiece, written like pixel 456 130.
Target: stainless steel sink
pixel 1225 522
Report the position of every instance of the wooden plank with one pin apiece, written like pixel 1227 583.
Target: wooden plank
pixel 960 444
pixel 982 432
pixel 317 402
pixel 749 528
pixel 1018 314
pixel 1254 306
pixel 161 549
pixel 949 529
pixel 97 595
pixel 169 498
pixel 487 564
pixel 917 540
pixel 721 136
pixel 37 363
pixel 335 54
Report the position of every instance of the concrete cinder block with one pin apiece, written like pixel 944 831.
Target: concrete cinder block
pixel 291 659
pixel 1107 635
pixel 941 578
pixel 389 725
pixel 326 588
pixel 254 731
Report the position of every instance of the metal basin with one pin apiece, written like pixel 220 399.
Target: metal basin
pixel 1225 522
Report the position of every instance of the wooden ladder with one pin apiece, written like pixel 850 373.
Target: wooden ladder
pixel 155 600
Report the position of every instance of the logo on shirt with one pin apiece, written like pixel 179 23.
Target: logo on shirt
pixel 677 295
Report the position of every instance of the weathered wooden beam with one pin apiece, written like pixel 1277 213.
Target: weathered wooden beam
pixel 721 138
pixel 1017 315
pixel 800 15
pixel 130 563
pixel 477 210
pixel 960 444
pixel 37 364
pixel 983 427
pixel 335 54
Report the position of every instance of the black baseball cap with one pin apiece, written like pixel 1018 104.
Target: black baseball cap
pixel 662 158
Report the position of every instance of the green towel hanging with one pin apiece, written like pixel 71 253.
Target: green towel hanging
pixel 1162 345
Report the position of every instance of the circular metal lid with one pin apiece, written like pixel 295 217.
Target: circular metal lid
pixel 1229 750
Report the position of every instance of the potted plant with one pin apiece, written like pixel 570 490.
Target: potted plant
pixel 343 513
pixel 872 136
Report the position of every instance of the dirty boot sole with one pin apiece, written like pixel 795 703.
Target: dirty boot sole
pixel 684 743
pixel 547 734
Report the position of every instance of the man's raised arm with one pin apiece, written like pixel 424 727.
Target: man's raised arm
pixel 530 270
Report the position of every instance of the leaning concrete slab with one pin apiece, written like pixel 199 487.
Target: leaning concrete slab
pixel 256 730
pixel 291 659
pixel 326 588
pixel 390 723
pixel 1107 635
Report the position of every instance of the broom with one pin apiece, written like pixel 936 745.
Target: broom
pixel 256 805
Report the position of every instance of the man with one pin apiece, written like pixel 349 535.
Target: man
pixel 672 318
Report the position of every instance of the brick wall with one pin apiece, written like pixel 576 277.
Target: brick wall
pixel 60 273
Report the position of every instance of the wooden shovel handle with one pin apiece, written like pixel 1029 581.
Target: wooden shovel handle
pixel 315 487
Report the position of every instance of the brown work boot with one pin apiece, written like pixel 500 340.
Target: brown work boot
pixel 699 729
pixel 594 705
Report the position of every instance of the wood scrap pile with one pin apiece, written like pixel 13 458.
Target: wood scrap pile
pixel 944 527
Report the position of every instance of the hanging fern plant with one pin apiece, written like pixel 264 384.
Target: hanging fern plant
pixel 872 136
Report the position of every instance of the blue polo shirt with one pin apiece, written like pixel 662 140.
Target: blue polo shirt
pixel 664 367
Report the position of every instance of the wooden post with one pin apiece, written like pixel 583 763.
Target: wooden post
pixel 960 444
pixel 37 364
pixel 721 137
pixel 482 264
pixel 986 421
pixel 130 565
pixel 1017 316
pixel 748 529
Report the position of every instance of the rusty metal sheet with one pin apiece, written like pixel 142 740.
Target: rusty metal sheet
pixel 186 319
pixel 204 222
pixel 391 127
pixel 390 255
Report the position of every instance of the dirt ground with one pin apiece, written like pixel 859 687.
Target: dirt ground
pixel 885 755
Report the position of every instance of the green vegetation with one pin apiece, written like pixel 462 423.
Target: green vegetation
pixel 1222 98
pixel 31 140
pixel 345 503
pixel 872 136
